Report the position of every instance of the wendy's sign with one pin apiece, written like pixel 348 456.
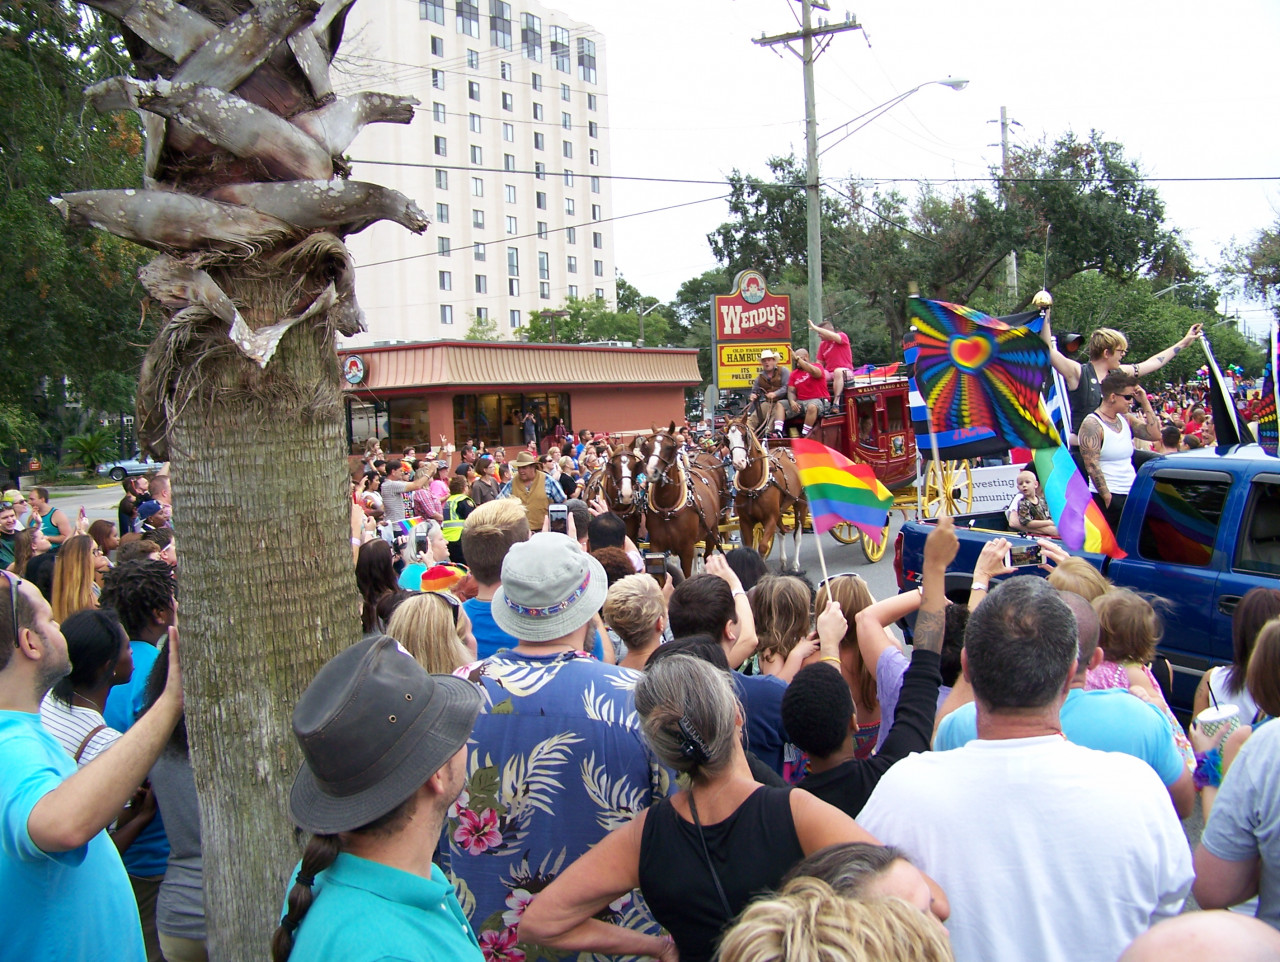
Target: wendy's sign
pixel 751 313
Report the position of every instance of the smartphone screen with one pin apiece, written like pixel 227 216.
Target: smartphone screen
pixel 1024 556
pixel 655 564
pixel 559 515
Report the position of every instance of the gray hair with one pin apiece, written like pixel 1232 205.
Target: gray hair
pixel 1020 645
pixel 687 712
pixel 848 867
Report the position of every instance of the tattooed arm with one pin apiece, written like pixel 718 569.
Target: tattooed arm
pixel 1148 429
pixel 1157 361
pixel 939 550
pixel 1091 454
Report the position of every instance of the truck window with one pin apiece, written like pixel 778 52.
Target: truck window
pixel 1259 547
pixel 1181 522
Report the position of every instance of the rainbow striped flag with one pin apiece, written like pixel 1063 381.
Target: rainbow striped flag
pixel 1080 521
pixel 840 490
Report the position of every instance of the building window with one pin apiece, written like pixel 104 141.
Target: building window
pixel 540 171
pixel 432 10
pixel 508 102
pixel 542 230
pixel 566 94
pixel 591 101
pixel 513 286
pixel 473 59
pixel 468 18
pixel 504 70
pixel 535 80
pixel 531 37
pixel 544 265
pixel 442 179
pixel 573 292
pixel 571 264
pixel 437 46
pixel 477 155
pixel 442 213
pixel 473 121
pixel 446 313
pixel 446 280
pixel 477 218
pixel 593 129
pixel 477 252
pixel 540 200
pixel 537 111
pixel 442 147
pixel 473 89
pixel 509 192
pixel 569 206
pixel 442 246
pixel 595 212
pixel 513 318
pixel 509 133
pixel 544 290
pixel 437 79
pixel 512 226
pixel 571 235
pixel 597 240
pixel 593 156
pixel 566 148
pixel 539 142
pixel 482 283
pixel 566 120
pixel 597 268
pixel 438 113
pixel 500 25
pixel 586 60
pixel 477 187
pixel 568 178
pixel 595 185
pixel 508 161
pixel 560 49
pixel 513 262
pixel 482 313
pixel 599 293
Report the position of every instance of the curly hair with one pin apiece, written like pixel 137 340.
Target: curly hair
pixel 137 590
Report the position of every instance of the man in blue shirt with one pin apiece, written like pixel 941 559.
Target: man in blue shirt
pixel 1112 720
pixel 490 531
pixel 384 747
pixel 65 891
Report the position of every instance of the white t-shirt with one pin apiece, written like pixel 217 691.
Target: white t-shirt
pixel 70 723
pixel 1220 694
pixel 1046 850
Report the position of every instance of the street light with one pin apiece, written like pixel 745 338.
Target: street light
pixel 640 338
pixel 867 116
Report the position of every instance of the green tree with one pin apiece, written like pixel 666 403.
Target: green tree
pixel 1256 265
pixel 92 448
pixel 483 329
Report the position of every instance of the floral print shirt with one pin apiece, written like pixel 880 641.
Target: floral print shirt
pixel 556 761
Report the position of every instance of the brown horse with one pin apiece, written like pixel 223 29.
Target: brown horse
pixel 621 490
pixel 768 484
pixel 683 502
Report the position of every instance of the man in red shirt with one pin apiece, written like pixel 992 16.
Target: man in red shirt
pixel 807 389
pixel 836 359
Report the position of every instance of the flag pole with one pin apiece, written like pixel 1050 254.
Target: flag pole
pixel 822 560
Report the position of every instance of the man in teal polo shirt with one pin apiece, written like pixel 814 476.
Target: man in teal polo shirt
pixel 384 747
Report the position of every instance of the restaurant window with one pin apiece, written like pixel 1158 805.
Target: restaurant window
pixel 498 419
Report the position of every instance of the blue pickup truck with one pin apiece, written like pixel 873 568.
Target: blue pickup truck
pixel 1200 529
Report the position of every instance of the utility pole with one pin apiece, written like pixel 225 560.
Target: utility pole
pixel 813 195
pixel 1011 263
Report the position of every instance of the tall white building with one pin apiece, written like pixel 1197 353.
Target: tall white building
pixel 508 154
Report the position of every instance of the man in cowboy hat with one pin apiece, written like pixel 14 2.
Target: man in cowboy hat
pixel 557 758
pixel 769 394
pixel 384 749
pixel 532 488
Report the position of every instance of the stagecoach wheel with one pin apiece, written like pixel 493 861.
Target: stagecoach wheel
pixel 845 533
pixel 948 488
pixel 871 551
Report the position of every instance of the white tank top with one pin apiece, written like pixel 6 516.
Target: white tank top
pixel 1116 462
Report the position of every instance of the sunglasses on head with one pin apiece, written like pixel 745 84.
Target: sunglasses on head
pixel 844 574
pixel 451 601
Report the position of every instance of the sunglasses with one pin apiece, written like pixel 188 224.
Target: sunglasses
pixel 451 601
pixel 1128 397
pixel 844 574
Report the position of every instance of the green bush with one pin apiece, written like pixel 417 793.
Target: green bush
pixel 91 449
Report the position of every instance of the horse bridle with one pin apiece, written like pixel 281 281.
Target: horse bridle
pixel 628 453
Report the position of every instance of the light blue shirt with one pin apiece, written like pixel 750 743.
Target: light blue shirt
pixel 1108 720
pixel 55 905
pixel 365 911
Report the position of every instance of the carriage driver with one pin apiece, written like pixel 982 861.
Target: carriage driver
pixel 769 394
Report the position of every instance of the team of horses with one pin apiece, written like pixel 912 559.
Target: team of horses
pixel 682 498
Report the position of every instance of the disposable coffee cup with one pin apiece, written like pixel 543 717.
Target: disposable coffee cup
pixel 1214 718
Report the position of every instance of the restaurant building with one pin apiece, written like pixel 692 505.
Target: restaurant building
pixel 415 393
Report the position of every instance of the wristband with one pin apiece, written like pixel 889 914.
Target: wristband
pixel 978 586
pixel 357 542
pixel 740 591
pixel 831 658
pixel 1208 773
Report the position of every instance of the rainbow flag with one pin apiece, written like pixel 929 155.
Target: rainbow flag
pixel 840 490
pixel 1080 521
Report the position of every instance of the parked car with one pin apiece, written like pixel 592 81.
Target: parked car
pixel 1200 528
pixel 119 470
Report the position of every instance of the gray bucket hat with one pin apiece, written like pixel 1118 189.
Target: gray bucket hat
pixel 374 726
pixel 550 587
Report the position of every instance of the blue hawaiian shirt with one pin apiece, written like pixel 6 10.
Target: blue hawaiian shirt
pixel 555 763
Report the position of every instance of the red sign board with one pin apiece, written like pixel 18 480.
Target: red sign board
pixel 751 313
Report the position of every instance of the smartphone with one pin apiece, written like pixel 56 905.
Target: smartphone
pixel 1024 556
pixel 420 542
pixel 655 564
pixel 559 515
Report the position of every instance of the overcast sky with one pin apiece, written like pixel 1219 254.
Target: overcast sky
pixel 1188 89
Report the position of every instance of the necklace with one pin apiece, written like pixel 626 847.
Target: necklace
pixel 85 698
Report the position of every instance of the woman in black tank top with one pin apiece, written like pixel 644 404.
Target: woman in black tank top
pixel 700 856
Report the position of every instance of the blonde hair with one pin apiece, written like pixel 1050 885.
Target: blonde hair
pixel 1106 339
pixel 73 577
pixel 423 623
pixel 1078 576
pixel 853 595
pixel 780 606
pixel 632 609
pixel 1129 626
pixel 808 922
